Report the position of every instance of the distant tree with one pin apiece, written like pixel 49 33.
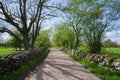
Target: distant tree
pixel 43 39
pixel 1 39
pixel 16 44
pixel 63 36
pixel 13 42
pixel 109 43
pixel 3 45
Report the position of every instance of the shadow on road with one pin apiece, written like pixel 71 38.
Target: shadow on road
pixel 58 66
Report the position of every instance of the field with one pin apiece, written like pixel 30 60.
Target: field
pixel 114 52
pixel 5 51
pixel 111 51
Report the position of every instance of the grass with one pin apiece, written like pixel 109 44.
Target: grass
pixel 114 52
pixel 83 49
pixel 5 51
pixel 17 73
pixel 102 73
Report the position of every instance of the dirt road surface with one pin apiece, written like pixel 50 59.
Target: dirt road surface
pixel 59 66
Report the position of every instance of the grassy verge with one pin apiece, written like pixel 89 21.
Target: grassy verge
pixel 17 73
pixel 102 73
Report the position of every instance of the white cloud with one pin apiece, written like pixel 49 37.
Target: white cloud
pixel 113 35
pixel 5 37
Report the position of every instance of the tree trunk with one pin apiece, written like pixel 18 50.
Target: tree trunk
pixel 95 48
pixel 26 42
pixel 70 45
pixel 76 42
pixel 20 47
pixel 32 43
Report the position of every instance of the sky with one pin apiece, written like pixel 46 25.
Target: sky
pixel 114 36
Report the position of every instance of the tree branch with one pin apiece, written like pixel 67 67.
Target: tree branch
pixel 3 29
pixel 9 18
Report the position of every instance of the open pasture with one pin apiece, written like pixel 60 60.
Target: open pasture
pixel 5 51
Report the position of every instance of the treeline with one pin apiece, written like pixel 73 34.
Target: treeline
pixel 17 45
pixel 4 45
pixel 109 43
pixel 43 39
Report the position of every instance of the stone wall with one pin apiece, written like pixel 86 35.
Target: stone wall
pixel 17 59
pixel 100 59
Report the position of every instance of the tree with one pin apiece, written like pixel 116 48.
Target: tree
pixel 26 16
pixel 109 43
pixel 97 23
pixel 1 39
pixel 63 36
pixel 43 39
pixel 13 42
pixel 74 17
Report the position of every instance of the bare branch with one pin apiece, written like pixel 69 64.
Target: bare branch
pixel 3 29
pixel 9 17
pixel 52 7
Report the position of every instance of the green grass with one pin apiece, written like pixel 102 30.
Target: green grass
pixel 102 73
pixel 83 49
pixel 17 73
pixel 5 51
pixel 114 52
